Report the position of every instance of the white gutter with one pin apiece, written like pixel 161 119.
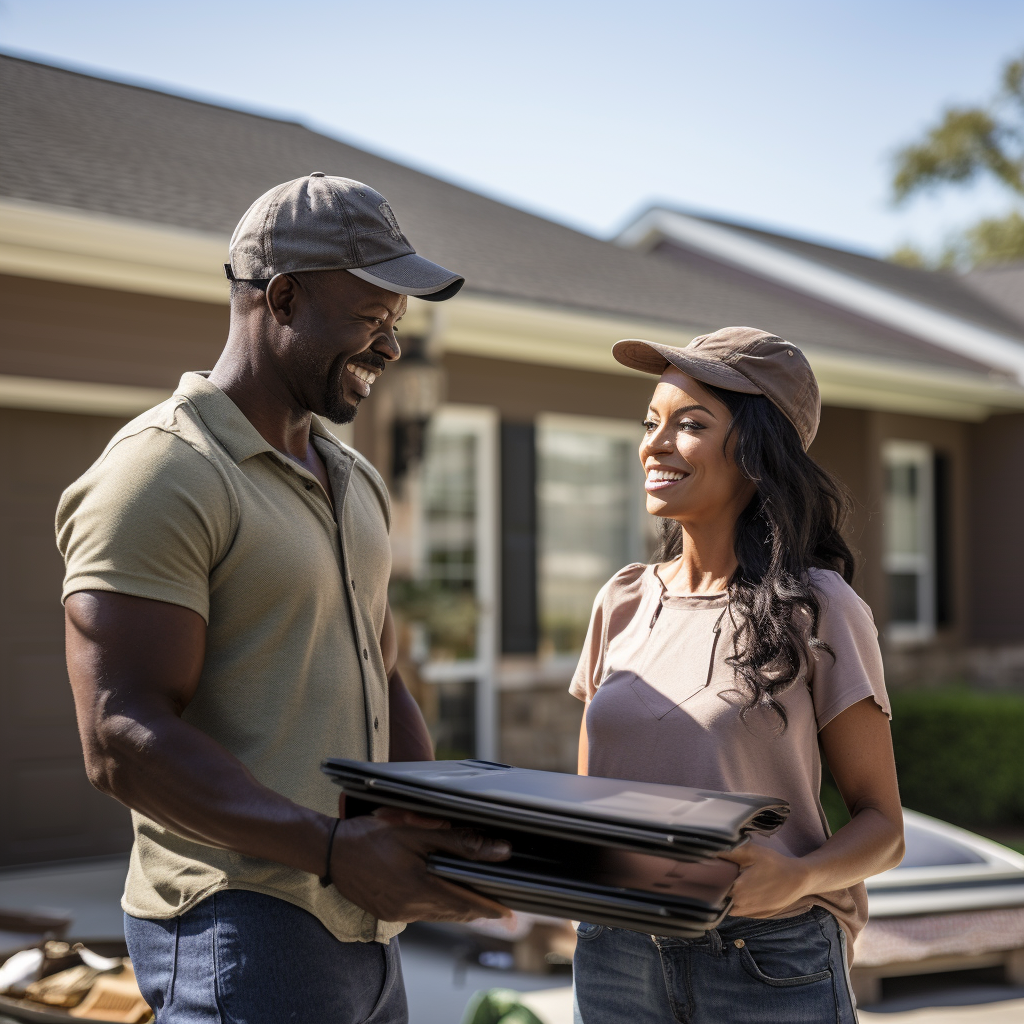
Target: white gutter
pixel 833 286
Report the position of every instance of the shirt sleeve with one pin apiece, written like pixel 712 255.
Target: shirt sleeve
pixel 590 669
pixel 855 672
pixel 151 518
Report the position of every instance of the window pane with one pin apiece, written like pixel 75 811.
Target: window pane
pixel 903 588
pixel 453 727
pixel 903 510
pixel 450 507
pixel 908 552
pixel 448 598
pixel 589 508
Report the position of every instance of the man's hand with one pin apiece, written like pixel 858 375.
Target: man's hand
pixel 135 666
pixel 378 862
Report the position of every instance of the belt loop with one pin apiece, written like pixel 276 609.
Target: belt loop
pixel 716 942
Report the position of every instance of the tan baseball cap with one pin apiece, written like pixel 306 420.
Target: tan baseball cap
pixel 739 359
pixel 322 222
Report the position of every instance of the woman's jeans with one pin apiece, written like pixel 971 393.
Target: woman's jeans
pixel 747 971
pixel 244 958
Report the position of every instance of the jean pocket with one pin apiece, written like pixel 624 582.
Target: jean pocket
pixel 585 930
pixel 788 955
pixel 752 968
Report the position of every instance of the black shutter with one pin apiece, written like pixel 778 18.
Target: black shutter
pixel 518 539
pixel 943 541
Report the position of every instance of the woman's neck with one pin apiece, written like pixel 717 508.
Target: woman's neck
pixel 705 566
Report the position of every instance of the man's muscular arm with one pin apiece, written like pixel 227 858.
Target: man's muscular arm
pixel 134 666
pixel 408 735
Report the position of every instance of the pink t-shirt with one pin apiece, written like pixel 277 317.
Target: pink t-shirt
pixel 664 706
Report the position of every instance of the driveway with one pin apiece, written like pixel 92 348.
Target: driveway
pixel 439 970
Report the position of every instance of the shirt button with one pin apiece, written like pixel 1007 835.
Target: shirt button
pixel 353 582
pixel 309 486
pixel 366 653
pixel 376 724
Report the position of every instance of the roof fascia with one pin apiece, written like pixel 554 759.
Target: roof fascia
pixel 44 394
pixel 498 328
pixel 74 246
pixel 833 286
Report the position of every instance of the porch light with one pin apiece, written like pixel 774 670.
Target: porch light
pixel 417 386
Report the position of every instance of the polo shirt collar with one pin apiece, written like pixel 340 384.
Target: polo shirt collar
pixel 228 423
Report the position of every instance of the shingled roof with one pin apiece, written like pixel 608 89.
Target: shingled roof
pixel 73 140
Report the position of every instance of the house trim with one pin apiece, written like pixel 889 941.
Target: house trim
pixel 72 396
pixel 71 246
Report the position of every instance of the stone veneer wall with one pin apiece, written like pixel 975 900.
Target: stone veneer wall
pixel 540 728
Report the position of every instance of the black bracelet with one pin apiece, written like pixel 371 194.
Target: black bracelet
pixel 325 879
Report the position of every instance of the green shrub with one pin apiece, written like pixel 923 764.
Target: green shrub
pixel 832 804
pixel 960 755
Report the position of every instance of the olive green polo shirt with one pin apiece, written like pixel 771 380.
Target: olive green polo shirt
pixel 190 505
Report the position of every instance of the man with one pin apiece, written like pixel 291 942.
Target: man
pixel 228 628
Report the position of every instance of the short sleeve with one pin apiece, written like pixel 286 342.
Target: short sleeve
pixel 590 669
pixel 855 672
pixel 614 607
pixel 151 518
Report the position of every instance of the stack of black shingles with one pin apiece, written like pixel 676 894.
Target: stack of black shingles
pixel 628 854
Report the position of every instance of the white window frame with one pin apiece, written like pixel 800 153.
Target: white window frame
pixel 922 457
pixel 483 423
pixel 620 430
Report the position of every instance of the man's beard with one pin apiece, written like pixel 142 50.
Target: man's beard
pixel 337 410
pixel 335 407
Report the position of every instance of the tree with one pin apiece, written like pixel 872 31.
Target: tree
pixel 971 143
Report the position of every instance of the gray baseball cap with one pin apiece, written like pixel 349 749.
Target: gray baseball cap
pixel 321 222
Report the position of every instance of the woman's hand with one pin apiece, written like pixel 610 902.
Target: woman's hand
pixel 768 882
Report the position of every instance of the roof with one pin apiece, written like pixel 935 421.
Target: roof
pixel 1002 286
pixel 808 289
pixel 942 289
pixel 90 144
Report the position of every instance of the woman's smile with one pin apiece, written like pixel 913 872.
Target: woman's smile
pixel 660 478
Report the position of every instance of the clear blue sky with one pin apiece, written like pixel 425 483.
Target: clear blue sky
pixel 784 114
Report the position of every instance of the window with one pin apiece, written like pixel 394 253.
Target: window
pixel 909 529
pixel 591 519
pixel 453 600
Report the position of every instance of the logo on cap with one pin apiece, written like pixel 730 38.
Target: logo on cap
pixel 385 211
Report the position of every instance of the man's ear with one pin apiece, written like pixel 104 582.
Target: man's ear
pixel 282 293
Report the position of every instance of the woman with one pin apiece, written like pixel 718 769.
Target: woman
pixel 723 666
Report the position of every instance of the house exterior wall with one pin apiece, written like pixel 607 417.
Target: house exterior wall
pixel 73 332
pixel 77 333
pixel 47 806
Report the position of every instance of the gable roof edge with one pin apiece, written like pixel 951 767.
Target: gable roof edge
pixel 833 286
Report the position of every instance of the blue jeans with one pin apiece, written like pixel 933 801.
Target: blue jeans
pixel 244 958
pixel 747 971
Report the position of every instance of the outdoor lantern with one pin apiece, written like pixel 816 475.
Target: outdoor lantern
pixel 417 390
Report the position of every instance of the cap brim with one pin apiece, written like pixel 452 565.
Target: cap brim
pixel 412 275
pixel 651 357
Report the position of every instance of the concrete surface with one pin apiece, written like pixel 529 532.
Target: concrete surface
pixel 554 1006
pixel 441 971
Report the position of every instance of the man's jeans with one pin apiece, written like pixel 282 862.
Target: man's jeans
pixel 747 971
pixel 245 958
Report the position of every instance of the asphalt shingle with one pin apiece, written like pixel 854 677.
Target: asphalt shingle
pixel 92 144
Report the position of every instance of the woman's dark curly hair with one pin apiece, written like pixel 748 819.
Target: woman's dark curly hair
pixel 793 523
